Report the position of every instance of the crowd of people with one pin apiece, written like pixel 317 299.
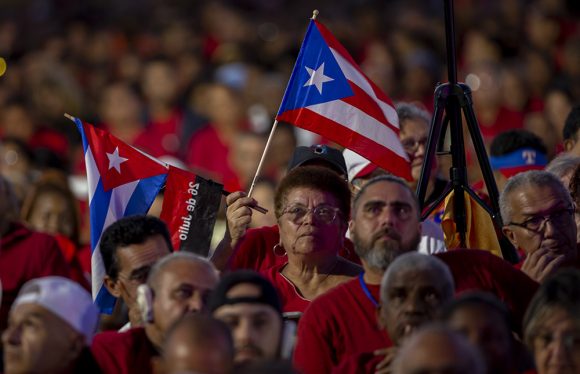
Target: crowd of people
pixel 343 274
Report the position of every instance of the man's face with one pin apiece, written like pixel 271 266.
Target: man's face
pixel 182 287
pixel 385 224
pixel 256 328
pixel 135 262
pixel 557 235
pixel 485 328
pixel 37 341
pixel 410 300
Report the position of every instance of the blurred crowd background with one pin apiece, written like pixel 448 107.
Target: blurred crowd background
pixel 199 82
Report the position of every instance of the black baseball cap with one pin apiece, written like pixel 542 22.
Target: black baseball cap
pixel 316 153
pixel 268 294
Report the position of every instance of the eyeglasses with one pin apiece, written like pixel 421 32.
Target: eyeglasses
pixel 570 340
pixel 537 224
pixel 323 213
pixel 411 145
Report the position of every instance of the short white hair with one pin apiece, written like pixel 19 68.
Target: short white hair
pixel 421 262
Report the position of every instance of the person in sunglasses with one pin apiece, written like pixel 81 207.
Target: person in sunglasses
pixel 538 216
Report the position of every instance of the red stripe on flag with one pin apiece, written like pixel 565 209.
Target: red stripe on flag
pixel 335 44
pixel 367 104
pixel 380 155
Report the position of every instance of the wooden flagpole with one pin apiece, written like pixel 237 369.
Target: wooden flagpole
pixel 261 163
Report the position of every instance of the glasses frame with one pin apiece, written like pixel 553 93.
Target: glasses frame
pixel 298 221
pixel 545 218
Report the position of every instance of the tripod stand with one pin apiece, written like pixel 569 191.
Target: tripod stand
pixel 454 98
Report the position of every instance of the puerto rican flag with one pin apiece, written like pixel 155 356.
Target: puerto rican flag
pixel 328 94
pixel 123 181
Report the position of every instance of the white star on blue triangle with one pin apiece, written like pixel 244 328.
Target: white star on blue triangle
pixel 316 77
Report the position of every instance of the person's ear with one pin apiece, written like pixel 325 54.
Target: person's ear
pixel 78 343
pixel 351 225
pixel 511 235
pixel 569 144
pixel 113 286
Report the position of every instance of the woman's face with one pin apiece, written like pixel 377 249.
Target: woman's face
pixel 311 233
pixel 52 214
pixel 556 346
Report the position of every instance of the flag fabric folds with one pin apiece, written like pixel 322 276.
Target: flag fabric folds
pixel 329 94
pixel 123 181
pixel 190 210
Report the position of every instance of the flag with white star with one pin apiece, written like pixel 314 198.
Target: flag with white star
pixel 123 181
pixel 329 94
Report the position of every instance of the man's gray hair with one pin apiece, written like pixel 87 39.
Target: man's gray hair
pixel 532 178
pixel 158 267
pixel 408 111
pixel 419 262
pixel 384 178
pixel 563 165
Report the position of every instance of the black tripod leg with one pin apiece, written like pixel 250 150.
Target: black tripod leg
pixel 441 93
pixel 508 252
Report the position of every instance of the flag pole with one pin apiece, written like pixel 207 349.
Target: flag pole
pixel 315 13
pixel 263 157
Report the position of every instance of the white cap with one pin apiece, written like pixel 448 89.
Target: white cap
pixel 356 165
pixel 66 299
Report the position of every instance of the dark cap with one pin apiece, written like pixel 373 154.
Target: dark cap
pixel 268 294
pixel 328 155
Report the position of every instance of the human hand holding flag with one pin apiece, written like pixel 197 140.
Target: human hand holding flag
pixel 329 94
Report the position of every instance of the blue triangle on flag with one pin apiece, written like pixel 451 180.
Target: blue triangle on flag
pixel 317 77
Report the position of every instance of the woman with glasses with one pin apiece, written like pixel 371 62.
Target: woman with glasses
pixel 312 207
pixel 552 324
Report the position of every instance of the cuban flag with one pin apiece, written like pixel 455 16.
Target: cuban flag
pixel 328 94
pixel 123 181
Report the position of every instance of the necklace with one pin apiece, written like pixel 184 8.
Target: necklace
pixel 366 290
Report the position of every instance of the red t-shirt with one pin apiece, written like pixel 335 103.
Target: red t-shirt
pixel 343 321
pixel 25 255
pixel 290 298
pixel 124 352
pixel 360 363
pixel 255 250
pixel 162 137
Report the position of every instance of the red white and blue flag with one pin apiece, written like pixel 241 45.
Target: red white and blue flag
pixel 329 94
pixel 122 181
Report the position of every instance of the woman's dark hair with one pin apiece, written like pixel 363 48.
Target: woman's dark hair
pixel 561 291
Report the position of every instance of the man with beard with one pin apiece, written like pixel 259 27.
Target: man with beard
pixel 250 306
pixel 385 224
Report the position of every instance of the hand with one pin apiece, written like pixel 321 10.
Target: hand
pixel 385 366
pixel 238 214
pixel 541 264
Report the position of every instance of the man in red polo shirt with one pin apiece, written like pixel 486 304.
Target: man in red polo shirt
pixel 385 224
pixel 177 285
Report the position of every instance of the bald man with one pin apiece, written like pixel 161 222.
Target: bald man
pixel 437 349
pixel 177 285
pixel 199 344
